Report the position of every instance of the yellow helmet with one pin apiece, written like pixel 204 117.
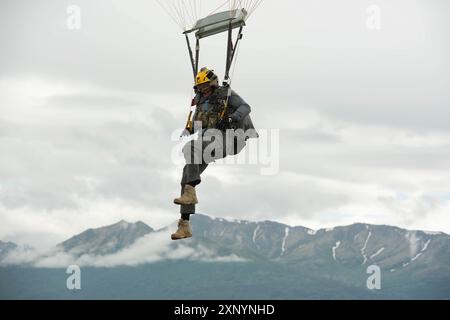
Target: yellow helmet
pixel 205 75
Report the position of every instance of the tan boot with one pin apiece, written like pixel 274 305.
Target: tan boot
pixel 184 230
pixel 188 197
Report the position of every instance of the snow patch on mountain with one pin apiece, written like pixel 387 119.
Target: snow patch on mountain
pixel 333 250
pixel 363 249
pixel 283 244
pixel 377 253
pixel 418 255
pixel 425 246
pixel 255 233
pixel 432 233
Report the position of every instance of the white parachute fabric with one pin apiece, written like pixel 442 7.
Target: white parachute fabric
pixel 185 13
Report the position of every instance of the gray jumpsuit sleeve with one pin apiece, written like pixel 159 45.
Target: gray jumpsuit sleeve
pixel 242 109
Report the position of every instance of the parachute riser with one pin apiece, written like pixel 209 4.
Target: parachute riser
pixel 231 50
pixel 197 55
pixel 230 57
pixel 191 56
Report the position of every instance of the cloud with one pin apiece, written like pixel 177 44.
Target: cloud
pixel 48 164
pixel 339 180
pixel 412 207
pixel 151 248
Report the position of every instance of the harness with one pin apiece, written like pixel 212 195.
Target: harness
pixel 218 106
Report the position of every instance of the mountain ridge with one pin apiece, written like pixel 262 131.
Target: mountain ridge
pixel 263 259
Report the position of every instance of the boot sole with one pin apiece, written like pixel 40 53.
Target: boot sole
pixel 174 238
pixel 184 204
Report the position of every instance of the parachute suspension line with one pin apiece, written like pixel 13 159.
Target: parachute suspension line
pixel 249 5
pixel 185 14
pixel 193 13
pixel 253 7
pixel 219 7
pixel 188 12
pixel 178 14
pixel 236 4
pixel 196 9
pixel 184 11
pixel 170 13
pixel 244 4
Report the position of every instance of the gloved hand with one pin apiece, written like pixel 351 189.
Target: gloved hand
pixel 225 123
pixel 185 133
pixel 228 122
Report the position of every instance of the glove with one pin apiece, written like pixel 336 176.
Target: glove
pixel 225 123
pixel 185 133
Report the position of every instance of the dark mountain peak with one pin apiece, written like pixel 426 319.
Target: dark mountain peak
pixel 7 243
pixel 124 225
pixel 106 240
pixel 6 247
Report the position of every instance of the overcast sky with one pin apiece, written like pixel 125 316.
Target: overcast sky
pixel 86 116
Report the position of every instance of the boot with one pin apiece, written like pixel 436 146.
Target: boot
pixel 188 197
pixel 184 230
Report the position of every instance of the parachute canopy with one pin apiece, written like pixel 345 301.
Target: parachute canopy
pixel 186 13
pixel 219 22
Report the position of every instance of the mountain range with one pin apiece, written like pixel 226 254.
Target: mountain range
pixel 243 259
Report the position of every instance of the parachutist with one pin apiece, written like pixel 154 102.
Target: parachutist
pixel 218 110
